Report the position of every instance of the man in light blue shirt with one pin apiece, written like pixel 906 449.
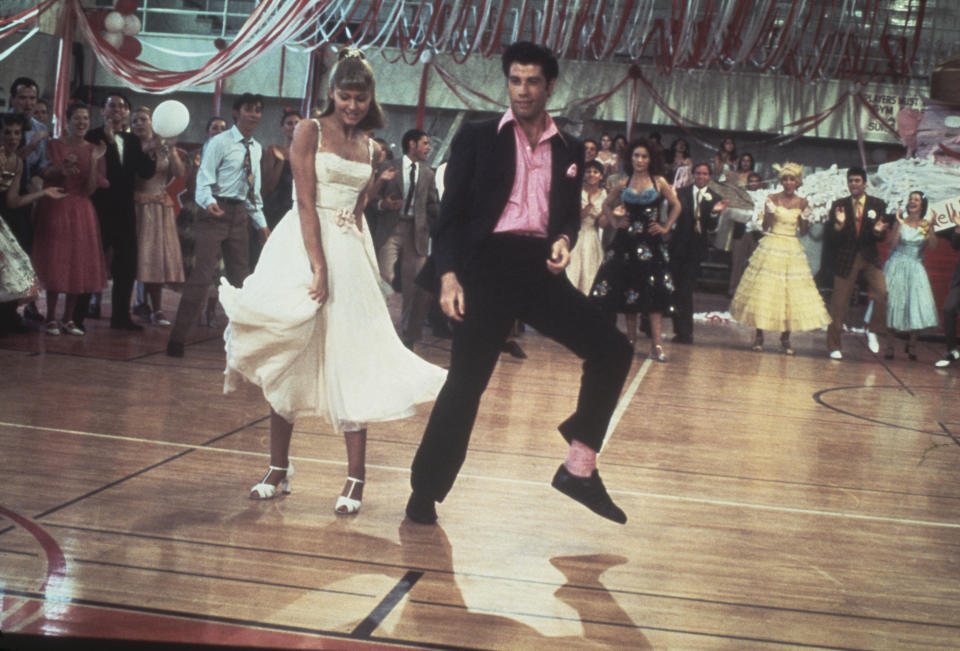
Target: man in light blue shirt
pixel 228 190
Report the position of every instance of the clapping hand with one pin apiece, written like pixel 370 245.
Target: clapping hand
pixel 99 151
pixel 880 227
pixel 840 214
pixel 70 164
pixel 721 205
pixel 389 174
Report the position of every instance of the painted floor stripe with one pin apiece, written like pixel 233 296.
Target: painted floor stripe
pixel 625 400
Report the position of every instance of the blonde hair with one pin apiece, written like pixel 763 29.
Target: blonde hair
pixel 791 169
pixel 353 72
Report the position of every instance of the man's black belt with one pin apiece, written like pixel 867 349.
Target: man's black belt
pixel 229 200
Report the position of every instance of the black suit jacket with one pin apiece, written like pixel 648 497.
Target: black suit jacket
pixel 843 245
pixel 685 243
pixel 477 185
pixel 114 204
pixel 954 238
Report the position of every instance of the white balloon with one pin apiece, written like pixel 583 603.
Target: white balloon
pixel 170 119
pixel 113 38
pixel 131 25
pixel 113 22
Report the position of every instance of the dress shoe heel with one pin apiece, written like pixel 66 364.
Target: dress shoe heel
pixel 656 353
pixel 786 347
pixel 757 346
pixel 421 509
pixel 265 491
pixel 346 505
pixel 590 492
pixel 911 353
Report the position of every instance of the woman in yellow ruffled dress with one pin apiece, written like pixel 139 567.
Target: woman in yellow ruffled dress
pixel 777 291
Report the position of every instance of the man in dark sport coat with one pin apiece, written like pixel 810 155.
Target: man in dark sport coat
pixel 508 218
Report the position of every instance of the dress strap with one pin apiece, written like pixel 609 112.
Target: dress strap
pixel 319 132
pixel 370 146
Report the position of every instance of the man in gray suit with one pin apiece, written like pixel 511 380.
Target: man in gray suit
pixel 406 207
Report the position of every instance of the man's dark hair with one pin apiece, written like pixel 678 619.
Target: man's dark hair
pixel 527 52
pixel 252 99
pixel 595 143
pixel 22 81
pixel 655 167
pixel 702 163
pixel 412 135
pixel 121 96
pixel 857 171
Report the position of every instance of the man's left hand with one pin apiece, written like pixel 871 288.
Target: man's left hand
pixel 559 256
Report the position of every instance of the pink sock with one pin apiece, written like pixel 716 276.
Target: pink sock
pixel 581 460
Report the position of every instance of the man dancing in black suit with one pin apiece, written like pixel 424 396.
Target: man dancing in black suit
pixel 508 219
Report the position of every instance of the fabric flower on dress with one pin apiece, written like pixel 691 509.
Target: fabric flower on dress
pixel 346 220
pixel 572 171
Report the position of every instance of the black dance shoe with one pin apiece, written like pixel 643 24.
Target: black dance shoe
pixel 174 349
pixel 422 510
pixel 125 324
pixel 513 349
pixel 590 492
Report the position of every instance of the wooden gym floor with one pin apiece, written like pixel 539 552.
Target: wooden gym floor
pixel 774 502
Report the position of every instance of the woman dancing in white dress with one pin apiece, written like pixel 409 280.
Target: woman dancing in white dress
pixel 310 326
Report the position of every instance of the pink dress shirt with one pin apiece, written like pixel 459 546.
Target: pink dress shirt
pixel 528 209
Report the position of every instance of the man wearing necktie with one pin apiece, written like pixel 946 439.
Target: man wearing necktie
pixel 688 246
pixel 855 225
pixel 228 188
pixel 407 205
pixel 124 161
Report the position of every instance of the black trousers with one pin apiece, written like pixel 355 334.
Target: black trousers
pixel 508 280
pixel 119 236
pixel 684 272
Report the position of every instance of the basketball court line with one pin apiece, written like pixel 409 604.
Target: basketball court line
pixel 525 482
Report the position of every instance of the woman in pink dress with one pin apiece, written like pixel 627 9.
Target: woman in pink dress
pixel 67 253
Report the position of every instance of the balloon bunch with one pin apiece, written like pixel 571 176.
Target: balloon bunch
pixel 118 28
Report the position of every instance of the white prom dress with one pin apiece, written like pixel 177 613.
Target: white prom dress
pixel 341 360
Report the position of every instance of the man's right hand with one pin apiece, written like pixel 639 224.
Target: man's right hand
pixel 840 215
pixel 451 296
pixel 215 209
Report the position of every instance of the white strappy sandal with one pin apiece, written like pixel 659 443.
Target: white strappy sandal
pixel 265 491
pixel 346 505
